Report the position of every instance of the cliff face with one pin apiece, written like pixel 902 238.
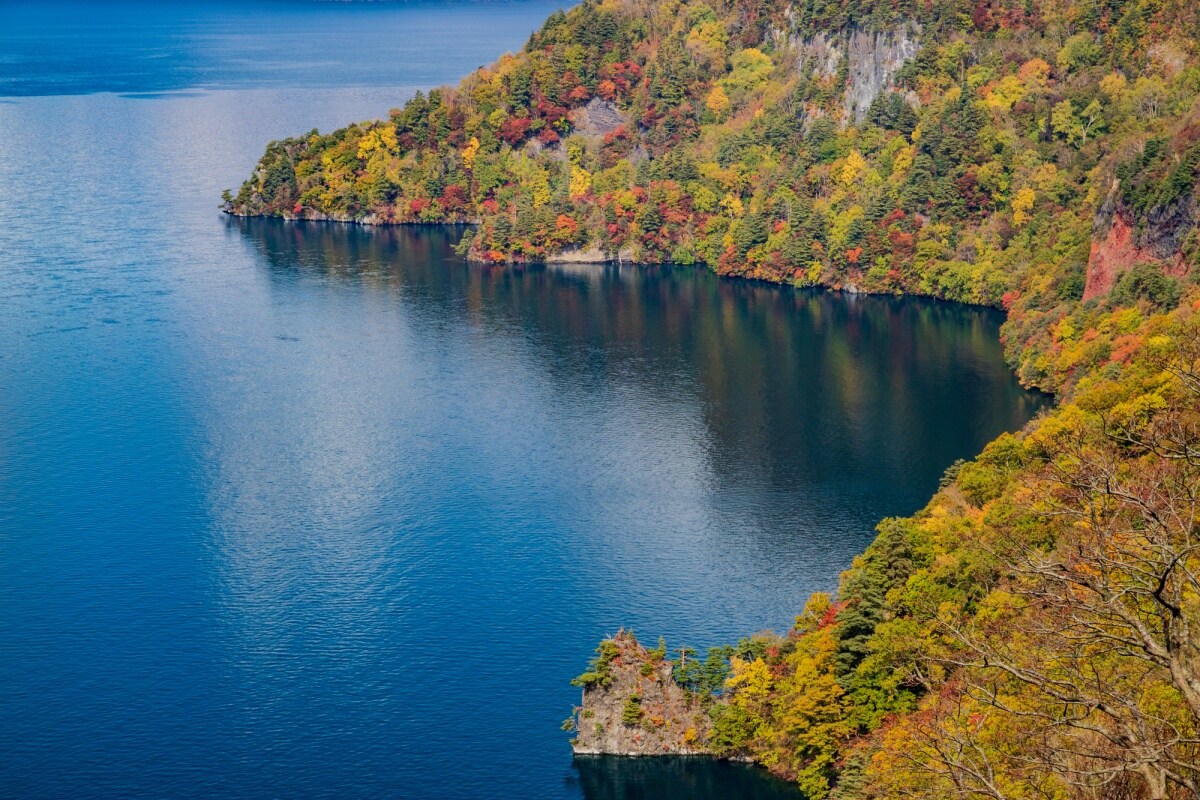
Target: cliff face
pixel 872 60
pixel 638 709
pixel 597 118
pixel 1121 241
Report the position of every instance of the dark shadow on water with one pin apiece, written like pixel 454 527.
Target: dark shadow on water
pixel 805 387
pixel 614 778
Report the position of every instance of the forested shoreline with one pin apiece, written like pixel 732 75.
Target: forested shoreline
pixel 1035 630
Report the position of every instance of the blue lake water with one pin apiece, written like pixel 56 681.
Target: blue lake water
pixel 321 511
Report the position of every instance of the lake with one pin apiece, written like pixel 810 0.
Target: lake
pixel 291 509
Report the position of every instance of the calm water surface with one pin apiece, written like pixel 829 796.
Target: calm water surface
pixel 317 511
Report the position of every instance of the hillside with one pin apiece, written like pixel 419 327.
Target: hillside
pixel 1035 631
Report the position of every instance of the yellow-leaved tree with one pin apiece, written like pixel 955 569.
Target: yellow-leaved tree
pixel 1022 203
pixel 468 153
pixel 581 182
pixel 717 102
pixel 852 168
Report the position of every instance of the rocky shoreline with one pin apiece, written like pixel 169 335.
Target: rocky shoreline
pixel 632 706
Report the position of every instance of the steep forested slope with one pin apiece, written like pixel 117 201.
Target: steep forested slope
pixel 1033 632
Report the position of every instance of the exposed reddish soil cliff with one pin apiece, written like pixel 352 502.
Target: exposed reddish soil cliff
pixel 1123 247
pixel 1111 257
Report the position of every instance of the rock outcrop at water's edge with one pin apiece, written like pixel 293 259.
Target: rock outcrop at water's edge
pixel 632 706
pixel 589 255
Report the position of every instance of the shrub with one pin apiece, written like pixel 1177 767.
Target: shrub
pixel 632 713
pixel 1146 282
